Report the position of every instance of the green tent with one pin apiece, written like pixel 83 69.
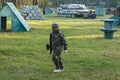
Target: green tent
pixel 18 24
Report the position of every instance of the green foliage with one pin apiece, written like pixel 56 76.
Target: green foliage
pixel 20 3
pixel 90 57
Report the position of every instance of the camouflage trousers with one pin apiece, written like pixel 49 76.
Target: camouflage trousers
pixel 57 57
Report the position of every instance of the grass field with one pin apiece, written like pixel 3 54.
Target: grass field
pixel 90 57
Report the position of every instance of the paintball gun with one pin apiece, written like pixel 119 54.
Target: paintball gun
pixel 48 47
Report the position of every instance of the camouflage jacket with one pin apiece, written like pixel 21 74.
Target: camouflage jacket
pixel 57 40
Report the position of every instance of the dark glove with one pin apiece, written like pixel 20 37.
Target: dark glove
pixel 65 47
pixel 47 46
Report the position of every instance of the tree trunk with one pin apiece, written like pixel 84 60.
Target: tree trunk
pixel 23 2
pixel 35 2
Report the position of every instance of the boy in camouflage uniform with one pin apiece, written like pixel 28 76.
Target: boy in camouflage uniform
pixel 57 41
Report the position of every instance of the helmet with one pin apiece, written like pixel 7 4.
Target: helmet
pixel 54 27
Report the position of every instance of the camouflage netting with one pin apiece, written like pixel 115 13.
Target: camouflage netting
pixel 32 12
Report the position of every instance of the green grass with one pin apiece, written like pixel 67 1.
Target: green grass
pixel 90 57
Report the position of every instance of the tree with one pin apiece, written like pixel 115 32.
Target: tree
pixel 35 2
pixel 23 2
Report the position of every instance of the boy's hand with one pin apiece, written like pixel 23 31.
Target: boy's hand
pixel 65 51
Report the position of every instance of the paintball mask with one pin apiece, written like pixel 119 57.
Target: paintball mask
pixel 54 27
